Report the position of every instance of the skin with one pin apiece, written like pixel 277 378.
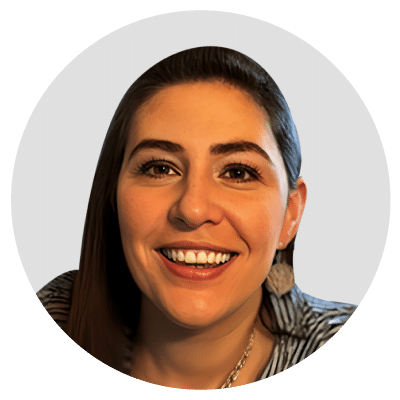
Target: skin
pixel 189 327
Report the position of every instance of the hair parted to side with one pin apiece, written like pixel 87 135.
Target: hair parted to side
pixel 106 300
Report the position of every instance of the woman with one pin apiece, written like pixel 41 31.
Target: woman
pixel 186 275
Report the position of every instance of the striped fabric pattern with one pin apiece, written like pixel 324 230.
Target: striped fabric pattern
pixel 56 297
pixel 308 322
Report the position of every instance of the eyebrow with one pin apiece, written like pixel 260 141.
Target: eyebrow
pixel 215 149
pixel 165 145
pixel 239 146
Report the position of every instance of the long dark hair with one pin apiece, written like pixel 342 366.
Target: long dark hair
pixel 106 301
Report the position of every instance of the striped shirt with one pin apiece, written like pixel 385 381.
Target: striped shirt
pixel 307 322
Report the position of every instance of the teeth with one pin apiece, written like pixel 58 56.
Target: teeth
pixel 202 258
pixel 181 255
pixel 198 258
pixel 190 257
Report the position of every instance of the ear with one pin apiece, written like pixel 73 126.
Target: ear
pixel 294 211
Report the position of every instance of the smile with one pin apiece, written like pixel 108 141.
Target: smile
pixel 200 259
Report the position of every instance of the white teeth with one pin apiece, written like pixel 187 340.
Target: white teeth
pixel 202 257
pixel 199 258
pixel 211 258
pixel 181 255
pixel 190 257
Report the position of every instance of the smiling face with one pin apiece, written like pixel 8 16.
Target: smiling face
pixel 202 175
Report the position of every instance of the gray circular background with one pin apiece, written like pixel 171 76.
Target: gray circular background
pixel 344 227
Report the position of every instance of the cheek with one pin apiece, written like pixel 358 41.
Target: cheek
pixel 139 219
pixel 138 211
pixel 258 220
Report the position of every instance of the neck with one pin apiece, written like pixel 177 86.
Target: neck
pixel 168 354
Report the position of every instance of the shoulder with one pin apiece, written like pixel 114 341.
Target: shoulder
pixel 299 314
pixel 334 312
pixel 305 324
pixel 56 296
pixel 309 318
pixel 328 318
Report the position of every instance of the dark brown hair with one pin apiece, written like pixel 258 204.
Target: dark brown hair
pixel 106 300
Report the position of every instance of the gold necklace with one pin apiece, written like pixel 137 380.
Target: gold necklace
pixel 236 371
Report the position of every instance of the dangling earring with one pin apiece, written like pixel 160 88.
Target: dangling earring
pixel 280 278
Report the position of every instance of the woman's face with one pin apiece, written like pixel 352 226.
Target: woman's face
pixel 202 181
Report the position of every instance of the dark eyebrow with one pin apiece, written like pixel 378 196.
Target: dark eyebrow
pixel 165 145
pixel 216 149
pixel 239 146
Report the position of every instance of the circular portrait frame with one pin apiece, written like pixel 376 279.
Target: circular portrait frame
pixel 336 255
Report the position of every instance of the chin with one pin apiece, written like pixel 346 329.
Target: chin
pixel 195 323
pixel 196 316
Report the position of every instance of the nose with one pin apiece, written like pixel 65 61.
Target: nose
pixel 197 203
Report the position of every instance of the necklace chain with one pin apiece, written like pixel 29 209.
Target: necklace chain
pixel 236 371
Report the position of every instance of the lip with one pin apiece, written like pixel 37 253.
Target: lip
pixel 194 274
pixel 184 244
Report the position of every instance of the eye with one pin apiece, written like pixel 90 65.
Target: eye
pixel 157 169
pixel 240 173
pixel 160 170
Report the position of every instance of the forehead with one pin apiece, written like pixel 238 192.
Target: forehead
pixel 202 112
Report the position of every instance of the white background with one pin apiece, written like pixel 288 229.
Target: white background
pixel 334 259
